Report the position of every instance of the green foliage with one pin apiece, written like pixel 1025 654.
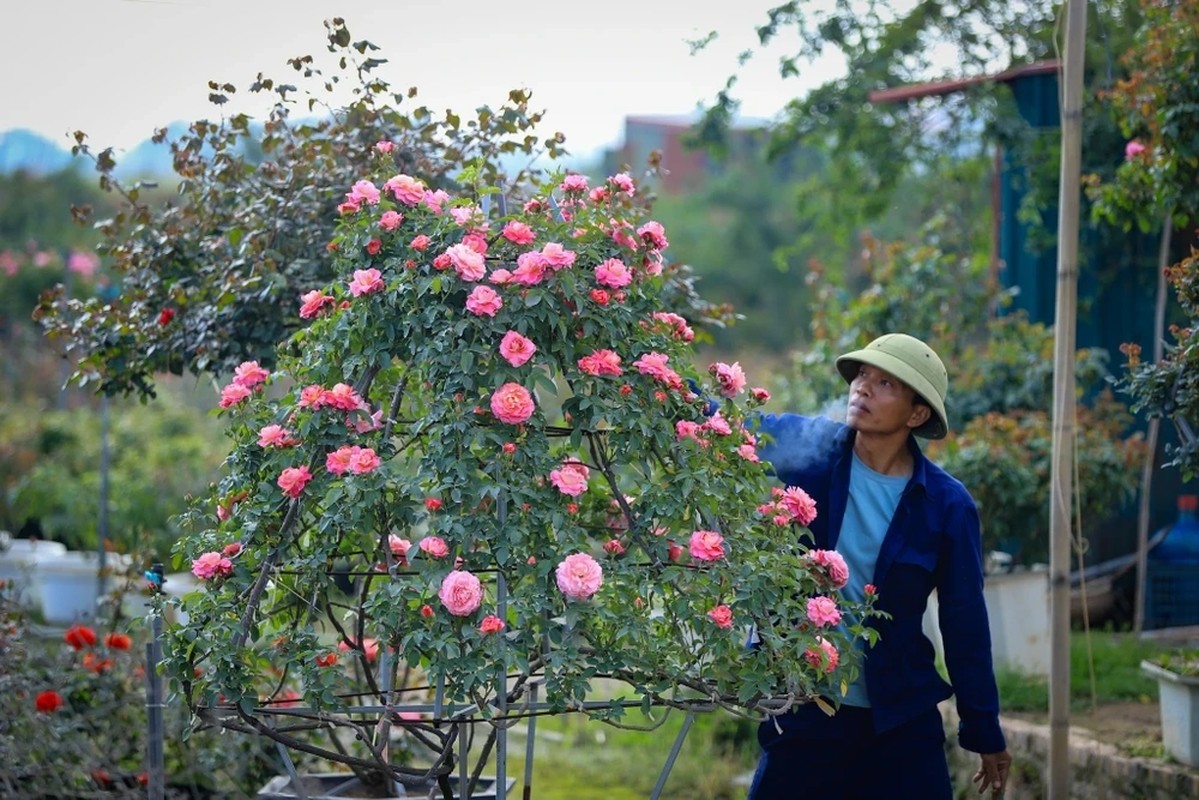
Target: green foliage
pixel 577 759
pixel 1005 460
pixel 382 449
pixel 50 469
pixel 1112 659
pixel 246 234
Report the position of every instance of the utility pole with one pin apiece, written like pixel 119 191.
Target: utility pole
pixel 1061 492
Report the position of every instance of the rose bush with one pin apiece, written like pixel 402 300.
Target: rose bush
pixel 503 388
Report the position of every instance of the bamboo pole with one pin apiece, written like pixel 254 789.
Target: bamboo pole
pixel 1062 478
pixel 1159 332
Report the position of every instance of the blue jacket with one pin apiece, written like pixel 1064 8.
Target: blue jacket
pixel 934 542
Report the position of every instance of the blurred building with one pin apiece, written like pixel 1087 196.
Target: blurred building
pixel 685 165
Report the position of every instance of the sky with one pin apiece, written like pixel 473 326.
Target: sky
pixel 117 69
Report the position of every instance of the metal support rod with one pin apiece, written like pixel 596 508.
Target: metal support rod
pixel 156 766
pixel 296 784
pixel 674 754
pixel 102 520
pixel 501 752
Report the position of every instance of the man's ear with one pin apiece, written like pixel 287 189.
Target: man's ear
pixel 920 415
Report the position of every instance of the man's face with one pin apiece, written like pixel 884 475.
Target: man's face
pixel 880 403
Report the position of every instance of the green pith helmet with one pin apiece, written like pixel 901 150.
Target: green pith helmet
pixel 914 363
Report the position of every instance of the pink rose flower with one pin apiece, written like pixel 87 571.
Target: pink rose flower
pixel 677 324
pixel 233 394
pixel 399 548
pixel 655 365
pixel 556 256
pixel 613 273
pixel 363 460
pixel 530 269
pixel 760 394
pixel 276 436
pixel 366 281
pixel 484 301
pixel 718 425
pixel 491 624
pixel 384 146
pixel 406 189
pixel 363 192
pixel 623 182
pixel 516 349
pixel 600 362
pixel 211 565
pixel 293 480
pixel 574 183
pixel 342 396
pixel 312 303
pixel 796 502
pixel 834 565
pixel 420 243
pixel 461 593
pixel 823 611
pixel 579 576
pixel 707 546
pixel 654 235
pixel 1133 149
pixel 722 615
pixel 390 220
pixel 512 403
pixel 434 546
pixel 730 377
pixel 749 453
pixel 518 233
pixel 468 263
pixel 825 659
pixel 249 374
pixel 571 478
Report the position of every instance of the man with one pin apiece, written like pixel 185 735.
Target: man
pixel 907 527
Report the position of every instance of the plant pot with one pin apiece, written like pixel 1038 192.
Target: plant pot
pixel 18 563
pixel 68 584
pixel 343 785
pixel 1178 700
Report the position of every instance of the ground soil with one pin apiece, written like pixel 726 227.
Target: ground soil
pixel 1132 726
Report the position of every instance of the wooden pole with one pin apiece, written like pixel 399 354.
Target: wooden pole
pixel 1159 333
pixel 1062 477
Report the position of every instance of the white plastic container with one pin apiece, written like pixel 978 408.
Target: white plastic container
pixel 69 584
pixel 1179 703
pixel 18 563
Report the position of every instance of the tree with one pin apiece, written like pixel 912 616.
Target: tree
pixel 487 433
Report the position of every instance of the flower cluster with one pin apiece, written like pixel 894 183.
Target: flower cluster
pixel 507 390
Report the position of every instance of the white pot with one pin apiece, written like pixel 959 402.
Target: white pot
pixel 1178 700
pixel 69 584
pixel 18 563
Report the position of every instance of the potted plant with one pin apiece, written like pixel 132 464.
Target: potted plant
pixel 483 483
pixel 1177 677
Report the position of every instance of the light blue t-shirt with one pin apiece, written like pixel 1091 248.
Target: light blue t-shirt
pixel 873 498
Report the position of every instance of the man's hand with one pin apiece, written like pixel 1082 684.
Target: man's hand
pixel 992 773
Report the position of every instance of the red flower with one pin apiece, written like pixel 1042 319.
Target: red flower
pixel 118 641
pixel 373 246
pixel 869 590
pixel 48 702
pixel 165 316
pixel 326 660
pixel 432 504
pixel 426 611
pixel 79 636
